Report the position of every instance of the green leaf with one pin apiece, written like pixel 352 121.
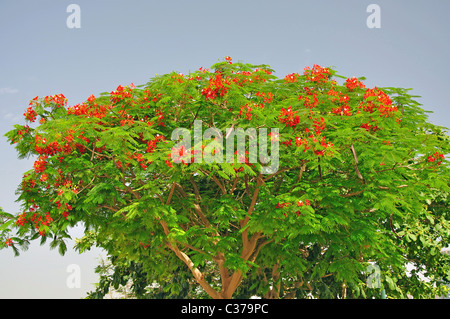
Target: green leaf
pixel 390 282
pixel 62 248
pixel 6 225
pixel 223 175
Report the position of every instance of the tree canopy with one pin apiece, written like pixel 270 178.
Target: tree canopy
pixel 356 177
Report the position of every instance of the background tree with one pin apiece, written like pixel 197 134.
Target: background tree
pixel 362 179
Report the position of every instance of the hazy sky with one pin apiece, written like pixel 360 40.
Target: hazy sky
pixel 123 42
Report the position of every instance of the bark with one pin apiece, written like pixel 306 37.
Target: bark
pixel 250 249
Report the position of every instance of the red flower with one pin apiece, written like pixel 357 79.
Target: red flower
pixel 287 143
pixel 353 83
pixel 310 102
pixel 317 74
pixel 376 98
pixel 168 163
pixel 274 136
pixel 436 157
pixel 287 116
pixel 247 109
pixel 368 127
pixel 40 164
pixel 291 77
pixel 21 220
pixel 307 203
pixel 266 98
pixel 242 158
pixel 319 125
pixel 180 155
pixel 217 85
pixel 58 99
pixel 302 141
pixel 282 205
pixel 8 242
pixel 30 114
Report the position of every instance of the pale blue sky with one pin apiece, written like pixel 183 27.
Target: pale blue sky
pixel 120 42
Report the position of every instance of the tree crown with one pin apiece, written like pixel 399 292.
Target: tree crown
pixel 360 177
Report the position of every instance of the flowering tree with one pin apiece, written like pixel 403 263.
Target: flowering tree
pixel 360 179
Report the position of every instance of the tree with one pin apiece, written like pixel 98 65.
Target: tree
pixel 355 176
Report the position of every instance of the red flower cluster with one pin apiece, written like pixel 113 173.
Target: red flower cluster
pixel 243 77
pixel 317 74
pixel 353 83
pixel 127 121
pixel 22 219
pixel 436 157
pixel 151 145
pixel 274 136
pixel 28 182
pixel 343 99
pixel 247 109
pixel 40 164
pixel 30 114
pixel 307 203
pixel 39 222
pixel 138 157
pixel 309 101
pixel 288 117
pixel 42 147
pixel 369 127
pixel 178 77
pixel 217 85
pixel 90 108
pixel 64 209
pixel 376 97
pixel 319 146
pixel 58 99
pixel 26 130
pixel 242 158
pixel 342 110
pixel 121 93
pixel 181 155
pixel 302 141
pixel 291 78
pixel 299 203
pixel 282 205
pixel 266 98
pixel 319 125
pixel 160 117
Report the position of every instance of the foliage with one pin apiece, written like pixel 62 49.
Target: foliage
pixel 362 178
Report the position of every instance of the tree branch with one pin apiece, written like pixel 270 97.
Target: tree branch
pixel 352 194
pixel 356 163
pixel 214 178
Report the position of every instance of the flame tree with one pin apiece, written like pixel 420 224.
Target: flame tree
pixel 362 179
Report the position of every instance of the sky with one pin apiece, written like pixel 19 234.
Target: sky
pixel 124 42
